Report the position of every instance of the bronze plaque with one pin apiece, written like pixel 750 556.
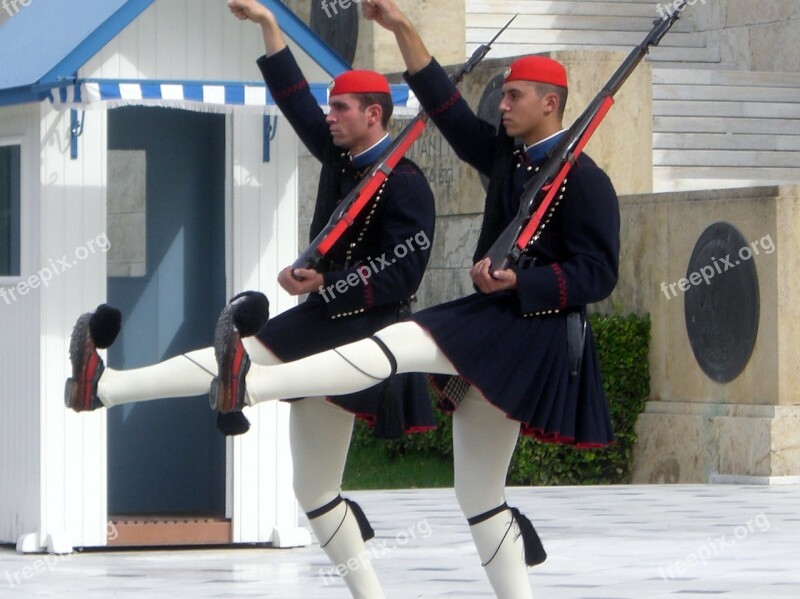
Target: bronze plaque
pixel 722 304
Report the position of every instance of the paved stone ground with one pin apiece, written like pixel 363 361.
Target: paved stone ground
pixel 624 542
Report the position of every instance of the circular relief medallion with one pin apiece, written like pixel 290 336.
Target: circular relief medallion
pixel 337 26
pixel 722 302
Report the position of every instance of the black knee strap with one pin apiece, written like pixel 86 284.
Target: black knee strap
pixel 534 550
pixel 388 353
pixel 363 524
pixel 486 515
pixel 321 511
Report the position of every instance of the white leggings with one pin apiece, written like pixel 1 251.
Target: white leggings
pixel 483 437
pixel 349 368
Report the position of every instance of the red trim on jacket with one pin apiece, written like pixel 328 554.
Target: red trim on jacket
pixel 562 286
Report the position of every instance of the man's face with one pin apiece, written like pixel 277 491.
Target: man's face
pixel 523 109
pixel 349 125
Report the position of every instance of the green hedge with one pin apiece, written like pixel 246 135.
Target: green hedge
pixel 622 343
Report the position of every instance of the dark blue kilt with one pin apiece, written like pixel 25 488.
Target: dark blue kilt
pixel 520 364
pixel 307 329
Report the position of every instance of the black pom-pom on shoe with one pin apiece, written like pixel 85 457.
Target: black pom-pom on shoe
pixel 104 325
pixel 233 423
pixel 250 312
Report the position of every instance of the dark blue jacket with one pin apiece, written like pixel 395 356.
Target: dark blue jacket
pixel 575 260
pixel 397 225
pixel 392 238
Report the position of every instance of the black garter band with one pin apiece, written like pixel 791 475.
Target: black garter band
pixel 534 550
pixel 388 353
pixel 363 524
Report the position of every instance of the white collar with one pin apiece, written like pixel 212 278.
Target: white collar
pixel 541 141
pixel 377 143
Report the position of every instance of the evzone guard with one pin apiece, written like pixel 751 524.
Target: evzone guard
pixel 518 355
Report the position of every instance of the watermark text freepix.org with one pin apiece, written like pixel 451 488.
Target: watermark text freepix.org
pixel 717 267
pixel 331 5
pixel 714 547
pixel 665 11
pixel 376 549
pixel 44 275
pixel 12 7
pixel 17 577
pixel 375 265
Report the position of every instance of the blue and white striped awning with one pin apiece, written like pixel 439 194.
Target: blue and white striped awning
pixel 202 96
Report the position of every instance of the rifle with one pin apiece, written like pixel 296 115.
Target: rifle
pixel 350 207
pixel 527 224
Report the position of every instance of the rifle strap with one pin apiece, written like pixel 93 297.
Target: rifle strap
pixel 576 339
pixel 328 188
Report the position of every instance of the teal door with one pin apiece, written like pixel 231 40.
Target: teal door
pixel 168 279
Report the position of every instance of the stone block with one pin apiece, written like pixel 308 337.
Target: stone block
pixel 694 428
pixel 669 449
pixel 683 442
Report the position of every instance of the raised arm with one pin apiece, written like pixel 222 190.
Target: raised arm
pixel 388 15
pixel 252 10
pixel 284 78
pixel 471 137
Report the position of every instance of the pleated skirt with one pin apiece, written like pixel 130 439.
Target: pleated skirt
pixel 520 364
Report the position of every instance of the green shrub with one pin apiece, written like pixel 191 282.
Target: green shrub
pixel 438 442
pixel 622 344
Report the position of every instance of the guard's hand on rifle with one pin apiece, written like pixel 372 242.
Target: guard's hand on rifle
pixel 491 282
pixel 300 280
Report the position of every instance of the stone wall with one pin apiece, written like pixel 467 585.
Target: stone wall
pixel 441 23
pixel 755 36
pixel 696 429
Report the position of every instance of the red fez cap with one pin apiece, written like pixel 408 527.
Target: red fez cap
pixel 537 68
pixel 360 82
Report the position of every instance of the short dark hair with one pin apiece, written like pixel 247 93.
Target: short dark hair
pixel 562 93
pixel 382 100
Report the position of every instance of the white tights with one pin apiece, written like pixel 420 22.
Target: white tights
pixel 185 375
pixel 349 368
pixel 483 437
